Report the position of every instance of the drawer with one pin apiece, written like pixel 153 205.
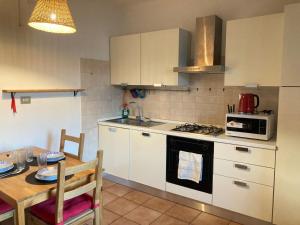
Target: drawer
pixel 244 154
pixel 257 174
pixel 247 198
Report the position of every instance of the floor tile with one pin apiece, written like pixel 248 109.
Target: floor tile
pixel 143 215
pixel 233 223
pixel 109 217
pixel 183 213
pixel 208 219
pixel 121 206
pixel 159 204
pixel 107 183
pixel 137 197
pixel 167 220
pixel 123 221
pixel 118 189
pixel 108 197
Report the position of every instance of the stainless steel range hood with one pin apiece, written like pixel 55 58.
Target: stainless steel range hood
pixel 208 44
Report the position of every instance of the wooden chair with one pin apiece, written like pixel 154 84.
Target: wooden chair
pixel 73 206
pixel 6 211
pixel 80 141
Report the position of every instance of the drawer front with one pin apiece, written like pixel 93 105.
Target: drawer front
pixel 257 174
pixel 243 154
pixel 247 198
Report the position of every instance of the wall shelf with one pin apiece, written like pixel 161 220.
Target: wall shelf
pixel 14 91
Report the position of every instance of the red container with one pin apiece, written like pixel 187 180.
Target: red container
pixel 247 103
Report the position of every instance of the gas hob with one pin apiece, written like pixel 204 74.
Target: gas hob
pixel 199 129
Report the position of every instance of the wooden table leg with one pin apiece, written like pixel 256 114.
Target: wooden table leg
pixel 20 214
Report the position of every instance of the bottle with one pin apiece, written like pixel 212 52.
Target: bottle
pixel 125 111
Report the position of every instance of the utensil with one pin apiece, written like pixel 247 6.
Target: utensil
pixel 55 156
pixel 20 159
pixel 47 174
pixel 29 154
pixel 42 160
pixel 5 166
pixel 246 104
pixel 16 171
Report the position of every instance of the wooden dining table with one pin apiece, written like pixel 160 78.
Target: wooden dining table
pixel 21 194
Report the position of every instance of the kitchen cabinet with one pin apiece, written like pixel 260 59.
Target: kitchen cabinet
pixel 244 197
pixel 291 46
pixel 287 182
pixel 149 58
pixel 148 158
pixel 160 51
pixel 115 145
pixel 125 59
pixel 254 49
pixel 244 180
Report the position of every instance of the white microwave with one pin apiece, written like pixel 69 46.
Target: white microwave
pixel 254 126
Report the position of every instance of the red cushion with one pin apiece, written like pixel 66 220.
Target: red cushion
pixel 72 207
pixel 4 207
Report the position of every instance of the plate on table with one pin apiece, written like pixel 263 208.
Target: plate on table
pixel 47 174
pixel 55 156
pixel 5 166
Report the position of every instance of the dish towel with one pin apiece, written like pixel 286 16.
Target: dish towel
pixel 190 166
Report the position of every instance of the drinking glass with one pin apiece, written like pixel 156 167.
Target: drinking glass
pixel 29 154
pixel 21 159
pixel 42 160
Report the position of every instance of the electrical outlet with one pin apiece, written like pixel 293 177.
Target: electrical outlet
pixel 25 100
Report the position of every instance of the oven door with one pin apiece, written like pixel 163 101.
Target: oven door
pixel 205 148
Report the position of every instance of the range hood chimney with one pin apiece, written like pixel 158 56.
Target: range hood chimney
pixel 208 44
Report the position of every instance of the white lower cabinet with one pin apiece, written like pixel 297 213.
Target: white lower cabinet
pixel 248 172
pixel 148 159
pixel 244 197
pixel 115 145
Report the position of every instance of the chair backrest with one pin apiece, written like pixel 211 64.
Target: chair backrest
pixel 94 184
pixel 79 140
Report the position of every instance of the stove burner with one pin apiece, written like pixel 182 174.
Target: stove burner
pixel 200 129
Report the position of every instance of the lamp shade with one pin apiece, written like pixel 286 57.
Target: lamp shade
pixel 52 16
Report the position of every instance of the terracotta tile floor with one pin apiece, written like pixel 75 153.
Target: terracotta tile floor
pixel 126 206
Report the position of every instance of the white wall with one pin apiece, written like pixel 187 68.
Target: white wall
pixel 33 59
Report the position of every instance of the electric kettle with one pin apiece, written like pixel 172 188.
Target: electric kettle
pixel 247 103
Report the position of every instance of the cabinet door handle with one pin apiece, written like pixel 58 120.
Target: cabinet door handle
pixel 241 166
pixel 146 134
pixel 112 129
pixel 240 183
pixel 242 149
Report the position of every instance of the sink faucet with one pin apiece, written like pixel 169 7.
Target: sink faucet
pixel 139 108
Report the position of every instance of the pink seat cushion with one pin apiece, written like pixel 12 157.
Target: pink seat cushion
pixel 72 207
pixel 4 207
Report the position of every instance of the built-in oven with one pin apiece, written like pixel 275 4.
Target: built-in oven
pixel 204 148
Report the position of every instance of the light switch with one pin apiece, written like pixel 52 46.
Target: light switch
pixel 25 100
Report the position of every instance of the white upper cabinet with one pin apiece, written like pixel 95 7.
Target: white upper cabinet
pixel 160 52
pixel 254 49
pixel 291 46
pixel 125 59
pixel 149 58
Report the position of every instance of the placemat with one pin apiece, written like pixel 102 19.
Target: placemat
pixel 32 180
pixel 13 169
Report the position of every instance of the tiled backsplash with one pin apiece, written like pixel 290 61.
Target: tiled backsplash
pixel 100 100
pixel 205 103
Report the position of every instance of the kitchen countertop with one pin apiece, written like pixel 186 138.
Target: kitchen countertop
pixel 167 127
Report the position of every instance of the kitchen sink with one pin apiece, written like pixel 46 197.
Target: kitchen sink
pixel 136 122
